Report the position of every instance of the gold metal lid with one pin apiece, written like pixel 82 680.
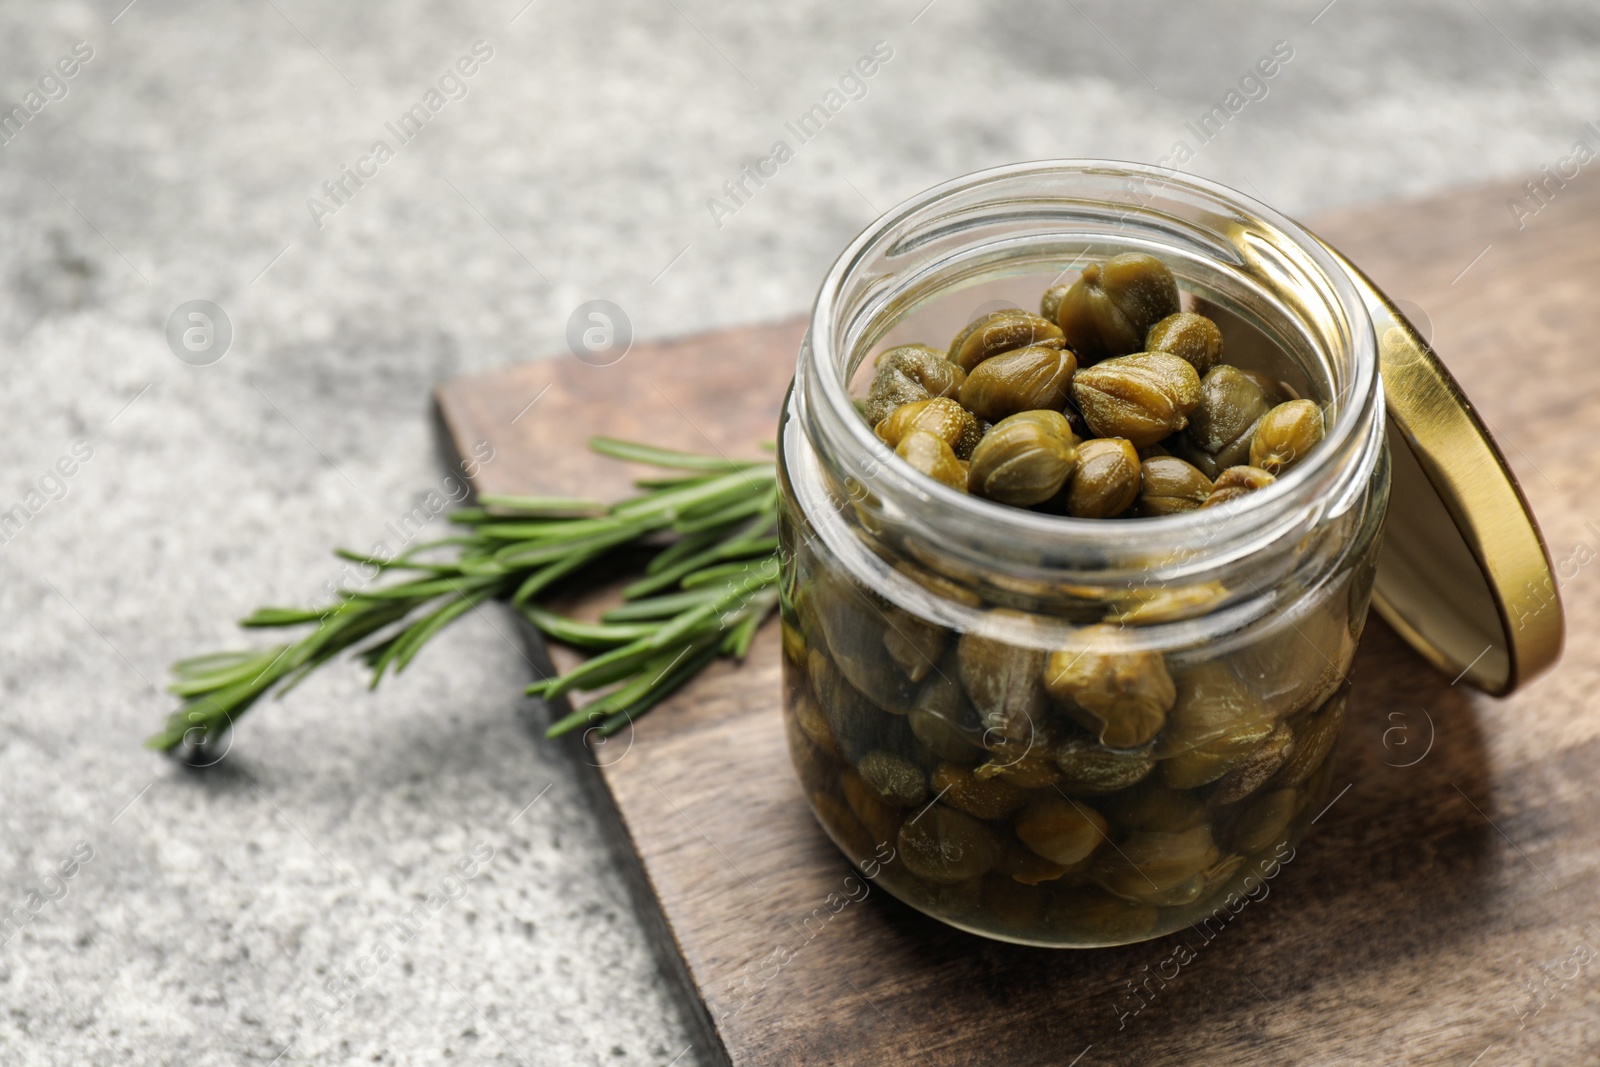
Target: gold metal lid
pixel 1463 572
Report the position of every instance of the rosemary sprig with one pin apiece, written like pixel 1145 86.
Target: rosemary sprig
pixel 711 581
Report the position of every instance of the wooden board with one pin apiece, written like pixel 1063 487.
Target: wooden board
pixel 1446 909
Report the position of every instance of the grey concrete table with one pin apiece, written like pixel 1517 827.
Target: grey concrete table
pixel 304 901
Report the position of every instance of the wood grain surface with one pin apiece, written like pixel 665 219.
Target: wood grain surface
pixel 1445 909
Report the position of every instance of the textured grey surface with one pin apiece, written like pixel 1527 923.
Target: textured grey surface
pixel 217 906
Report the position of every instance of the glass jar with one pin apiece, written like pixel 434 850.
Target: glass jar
pixel 1059 731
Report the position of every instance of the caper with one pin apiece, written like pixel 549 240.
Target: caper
pixel 938 415
pixel 811 720
pixel 1112 305
pixel 1154 806
pixel 1026 765
pixel 1192 337
pixel 1213 759
pixel 794 643
pixel 1089 769
pixel 816 770
pixel 1021 864
pixel 1122 695
pixel 1061 830
pixel 1158 868
pixel 855 723
pixel 1023 379
pixel 1284 434
pixel 1002 331
pixel 1105 481
pixel 840 821
pixel 1259 822
pixel 1305 656
pixel 1212 701
pixel 914 644
pixel 1003 682
pixel 945 721
pixel 880 819
pixel 895 779
pixel 1275 391
pixel 1314 739
pixel 985 798
pixel 1252 772
pixel 931 455
pixel 1221 423
pixel 1168 485
pixel 851 618
pixel 1236 482
pixel 943 846
pixel 907 374
pixel 1025 459
pixel 1142 397
pixel 1050 302
pixel 1215 725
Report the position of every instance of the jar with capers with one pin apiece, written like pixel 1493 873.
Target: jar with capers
pixel 1073 582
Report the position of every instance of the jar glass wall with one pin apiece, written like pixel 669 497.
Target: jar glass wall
pixel 1065 731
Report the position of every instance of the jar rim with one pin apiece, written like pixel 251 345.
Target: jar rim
pixel 823 385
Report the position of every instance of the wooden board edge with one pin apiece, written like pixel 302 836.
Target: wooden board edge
pixel 536 715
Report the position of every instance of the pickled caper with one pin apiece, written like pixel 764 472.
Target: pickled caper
pixel 1313 743
pixel 1221 423
pixel 1168 485
pixel 1024 459
pixel 1088 769
pixel 1002 331
pixel 945 847
pixel 1105 481
pixel 1004 683
pixel 907 374
pixel 1236 482
pixel 914 644
pixel 1112 305
pixel 933 456
pixel 984 798
pixel 940 416
pixel 1050 302
pixel 1122 695
pixel 1016 861
pixel 1062 831
pixel 1154 806
pixel 944 720
pixel 880 819
pixel 1284 435
pixel 1261 821
pixel 1192 337
pixel 1023 379
pixel 894 779
pixel 1162 869
pixel 1255 769
pixel 853 621
pixel 812 722
pixel 1143 397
